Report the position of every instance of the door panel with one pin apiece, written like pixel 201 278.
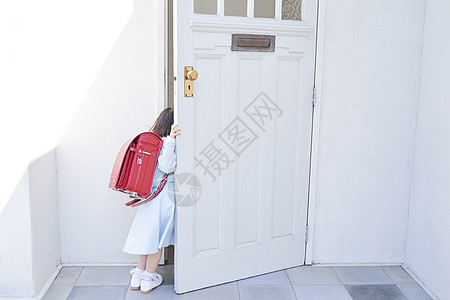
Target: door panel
pixel 246 138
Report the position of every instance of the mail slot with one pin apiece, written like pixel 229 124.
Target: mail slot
pixel 252 42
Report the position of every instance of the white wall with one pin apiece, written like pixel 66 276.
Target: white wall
pixel 428 239
pixel 50 53
pixel 29 251
pixel 369 93
pixel 16 272
pixel 121 102
pixel 44 218
pixel 48 59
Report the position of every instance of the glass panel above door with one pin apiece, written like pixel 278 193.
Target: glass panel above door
pixel 264 8
pixel 205 7
pixel 235 8
pixel 291 10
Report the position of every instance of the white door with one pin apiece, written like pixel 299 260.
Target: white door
pixel 245 138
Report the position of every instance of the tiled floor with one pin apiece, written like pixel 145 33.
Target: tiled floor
pixel 305 282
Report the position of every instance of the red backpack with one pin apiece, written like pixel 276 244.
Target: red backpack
pixel 135 166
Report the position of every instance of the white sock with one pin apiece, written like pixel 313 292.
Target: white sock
pixel 148 276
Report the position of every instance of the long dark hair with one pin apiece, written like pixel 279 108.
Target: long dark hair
pixel 163 123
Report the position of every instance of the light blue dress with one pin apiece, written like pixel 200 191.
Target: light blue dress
pixel 154 222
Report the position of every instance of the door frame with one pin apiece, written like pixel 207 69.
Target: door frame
pixel 168 85
pixel 315 134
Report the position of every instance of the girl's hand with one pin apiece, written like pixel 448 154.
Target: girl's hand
pixel 174 131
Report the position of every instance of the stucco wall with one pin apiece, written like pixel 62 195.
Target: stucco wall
pixel 44 218
pixel 121 102
pixel 428 238
pixel 369 94
pixel 29 247
pixel 48 60
pixel 16 275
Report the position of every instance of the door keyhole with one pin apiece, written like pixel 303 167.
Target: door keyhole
pixel 189 76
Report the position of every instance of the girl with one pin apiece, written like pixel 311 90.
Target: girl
pixel 153 225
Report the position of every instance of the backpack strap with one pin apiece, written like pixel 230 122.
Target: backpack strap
pixel 137 202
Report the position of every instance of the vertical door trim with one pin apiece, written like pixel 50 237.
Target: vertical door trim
pixel 315 134
pixel 168 55
pixel 161 52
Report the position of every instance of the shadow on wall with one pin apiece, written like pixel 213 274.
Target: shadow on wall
pixel 29 231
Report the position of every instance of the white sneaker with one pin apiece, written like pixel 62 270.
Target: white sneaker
pixel 135 282
pixel 149 283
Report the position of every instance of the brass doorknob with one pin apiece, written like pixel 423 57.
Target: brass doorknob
pixel 191 74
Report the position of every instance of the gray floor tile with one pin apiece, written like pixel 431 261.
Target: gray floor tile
pixel 362 275
pixel 375 292
pixel 99 292
pixel 58 292
pixel 278 277
pixel 321 292
pixel 308 282
pixel 162 292
pixel 398 274
pixel 266 291
pixel 313 275
pixel 167 273
pixel 226 291
pixel 104 276
pixel 413 291
pixel 68 276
